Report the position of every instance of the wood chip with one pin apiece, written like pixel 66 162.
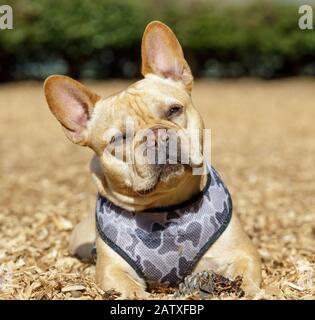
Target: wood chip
pixel 76 287
pixel 62 223
pixel 295 286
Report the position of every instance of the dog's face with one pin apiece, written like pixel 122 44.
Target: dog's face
pixel 124 128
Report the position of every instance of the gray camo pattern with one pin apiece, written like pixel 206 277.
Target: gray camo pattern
pixel 164 247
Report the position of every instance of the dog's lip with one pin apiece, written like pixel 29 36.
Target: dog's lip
pixel 146 191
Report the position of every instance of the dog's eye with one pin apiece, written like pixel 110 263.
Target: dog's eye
pixel 175 109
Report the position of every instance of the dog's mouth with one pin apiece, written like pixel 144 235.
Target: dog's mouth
pixel 144 192
pixel 167 172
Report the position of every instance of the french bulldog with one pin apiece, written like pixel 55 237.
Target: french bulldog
pixel 140 203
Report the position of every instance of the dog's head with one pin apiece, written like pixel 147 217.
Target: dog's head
pixel 133 132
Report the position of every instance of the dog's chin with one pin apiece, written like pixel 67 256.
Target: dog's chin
pixel 165 175
pixel 143 192
pixel 170 171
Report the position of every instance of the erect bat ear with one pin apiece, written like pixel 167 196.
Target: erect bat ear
pixel 72 104
pixel 162 54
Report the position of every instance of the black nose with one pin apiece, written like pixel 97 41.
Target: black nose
pixel 163 147
pixel 166 148
pixel 157 143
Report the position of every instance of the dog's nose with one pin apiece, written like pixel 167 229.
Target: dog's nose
pixel 156 136
pixel 160 135
pixel 157 143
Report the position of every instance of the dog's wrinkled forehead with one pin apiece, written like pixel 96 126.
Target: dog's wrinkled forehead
pixel 144 101
pixel 162 88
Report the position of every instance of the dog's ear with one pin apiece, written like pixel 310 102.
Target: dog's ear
pixel 162 54
pixel 72 104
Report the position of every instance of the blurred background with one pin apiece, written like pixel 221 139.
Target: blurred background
pixel 100 39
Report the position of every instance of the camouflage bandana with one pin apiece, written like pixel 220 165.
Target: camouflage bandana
pixel 163 245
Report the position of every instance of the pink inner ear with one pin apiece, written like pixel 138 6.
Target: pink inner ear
pixel 168 66
pixel 74 108
pixel 162 58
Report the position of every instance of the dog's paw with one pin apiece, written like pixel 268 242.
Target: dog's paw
pixel 121 282
pixel 250 273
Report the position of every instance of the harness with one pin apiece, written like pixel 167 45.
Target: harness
pixel 163 245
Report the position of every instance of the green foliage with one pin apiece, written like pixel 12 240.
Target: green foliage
pixel 101 38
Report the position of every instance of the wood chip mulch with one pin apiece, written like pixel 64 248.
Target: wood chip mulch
pixel 263 145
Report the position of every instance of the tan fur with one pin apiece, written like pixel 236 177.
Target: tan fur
pixel 113 272
pixel 146 102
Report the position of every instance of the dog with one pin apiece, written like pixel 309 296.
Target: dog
pixel 154 223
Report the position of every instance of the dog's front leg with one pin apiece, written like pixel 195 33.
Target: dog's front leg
pixel 233 254
pixel 113 272
pixel 83 237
